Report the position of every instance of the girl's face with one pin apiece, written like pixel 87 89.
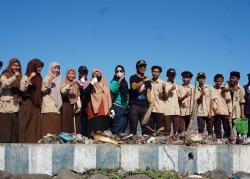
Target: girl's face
pixel 71 75
pixel 56 70
pixel 119 72
pixel 15 67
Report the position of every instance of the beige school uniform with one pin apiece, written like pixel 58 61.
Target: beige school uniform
pixel 222 103
pixel 187 103
pixel 172 102
pixel 6 98
pixel 204 108
pixel 156 96
pixel 238 99
pixel 48 105
pixel 65 90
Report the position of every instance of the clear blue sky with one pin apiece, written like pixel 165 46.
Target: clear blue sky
pixel 197 35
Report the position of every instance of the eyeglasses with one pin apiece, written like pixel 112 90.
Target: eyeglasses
pixel 117 71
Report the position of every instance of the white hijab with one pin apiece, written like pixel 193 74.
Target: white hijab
pixel 55 89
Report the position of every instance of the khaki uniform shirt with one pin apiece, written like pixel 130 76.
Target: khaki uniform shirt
pixel 48 105
pixel 172 102
pixel 156 96
pixel 204 107
pixel 238 99
pixel 222 103
pixel 6 98
pixel 187 104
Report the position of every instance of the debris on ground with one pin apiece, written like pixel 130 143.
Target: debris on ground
pixel 158 137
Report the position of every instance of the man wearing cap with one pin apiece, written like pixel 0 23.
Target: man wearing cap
pixel 138 97
pixel 205 96
pixel 247 104
pixel 238 95
pixel 157 116
pixel 83 83
pixel 172 109
pixel 222 108
pixel 186 92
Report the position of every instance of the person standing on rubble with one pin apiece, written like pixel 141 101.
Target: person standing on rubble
pixel 99 104
pixel 140 86
pixel 238 95
pixel 71 103
pixel 156 120
pixel 119 90
pixel 205 96
pixel 83 82
pixel 29 117
pixel 247 103
pixel 52 101
pixel 172 108
pixel 222 108
pixel 9 101
pixel 186 93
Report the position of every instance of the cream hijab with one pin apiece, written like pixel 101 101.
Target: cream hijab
pixel 101 92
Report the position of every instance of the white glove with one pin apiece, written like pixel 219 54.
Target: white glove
pixel 112 114
pixel 93 81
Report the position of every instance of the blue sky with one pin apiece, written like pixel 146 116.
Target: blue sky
pixel 196 35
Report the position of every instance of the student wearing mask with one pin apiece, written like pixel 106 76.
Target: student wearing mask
pixel 119 90
pixel 9 101
pixel 29 117
pixel 83 82
pixel 99 104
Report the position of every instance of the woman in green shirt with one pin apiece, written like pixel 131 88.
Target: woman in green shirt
pixel 119 90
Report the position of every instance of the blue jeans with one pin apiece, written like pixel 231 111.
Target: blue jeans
pixel 120 121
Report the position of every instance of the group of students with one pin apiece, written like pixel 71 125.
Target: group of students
pixel 31 107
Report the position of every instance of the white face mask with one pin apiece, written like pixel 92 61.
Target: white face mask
pixel 119 74
pixel 82 79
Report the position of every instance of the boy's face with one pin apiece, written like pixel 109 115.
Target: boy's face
pixel 156 73
pixel 201 80
pixel 234 80
pixel 171 76
pixel 186 80
pixel 218 82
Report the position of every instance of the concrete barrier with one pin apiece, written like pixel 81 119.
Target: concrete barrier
pixel 51 158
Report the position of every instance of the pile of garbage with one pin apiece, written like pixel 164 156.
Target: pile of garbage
pixel 158 137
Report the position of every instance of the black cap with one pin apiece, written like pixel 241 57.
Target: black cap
pixel 1 64
pixel 83 70
pixel 201 74
pixel 140 62
pixel 171 70
pixel 187 74
pixel 235 73
pixel 156 67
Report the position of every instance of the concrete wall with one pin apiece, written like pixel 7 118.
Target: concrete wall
pixel 50 158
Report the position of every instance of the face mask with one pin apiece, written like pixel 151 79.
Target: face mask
pixel 82 79
pixel 98 78
pixel 119 74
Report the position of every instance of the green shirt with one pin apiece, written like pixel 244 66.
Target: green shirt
pixel 114 88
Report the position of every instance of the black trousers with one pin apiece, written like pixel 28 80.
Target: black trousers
pixel 218 120
pixel 136 114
